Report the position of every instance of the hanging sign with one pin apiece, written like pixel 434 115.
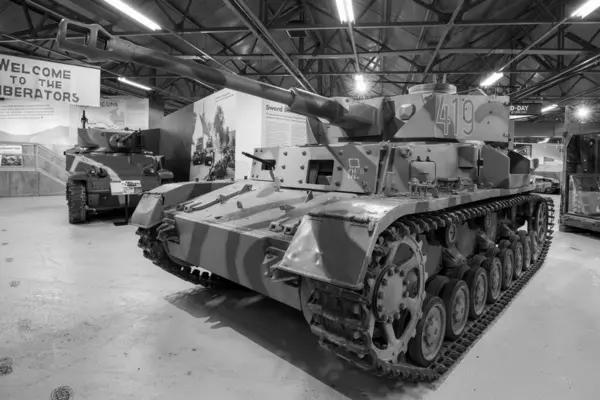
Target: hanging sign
pixel 31 79
pixel 526 109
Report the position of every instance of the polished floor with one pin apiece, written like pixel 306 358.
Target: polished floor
pixel 80 307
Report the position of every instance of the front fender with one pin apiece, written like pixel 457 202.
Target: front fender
pixel 149 211
pixel 77 175
pixel 165 175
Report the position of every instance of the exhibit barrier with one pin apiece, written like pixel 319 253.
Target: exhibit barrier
pixel 30 169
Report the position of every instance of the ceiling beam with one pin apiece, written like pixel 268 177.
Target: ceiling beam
pixel 329 27
pixel 388 72
pixel 404 52
pixel 243 12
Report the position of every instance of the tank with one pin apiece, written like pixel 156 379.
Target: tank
pixel 110 169
pixel 580 202
pixel 400 231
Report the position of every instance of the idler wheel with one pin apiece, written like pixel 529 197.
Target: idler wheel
pixel 424 348
pixel 477 282
pixel 517 249
pixel 493 267
pixel 455 295
pixel 435 285
pixel 508 261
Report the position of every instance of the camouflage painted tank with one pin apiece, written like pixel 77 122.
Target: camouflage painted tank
pixel 104 157
pixel 400 232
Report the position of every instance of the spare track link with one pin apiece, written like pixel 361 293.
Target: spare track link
pixel 344 330
pixel 154 251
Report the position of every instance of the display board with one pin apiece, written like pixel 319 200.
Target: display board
pixel 35 122
pixel 281 127
pixel 213 147
pixel 228 123
pixel 36 80
pixel 116 112
pixel 54 125
pixel 11 155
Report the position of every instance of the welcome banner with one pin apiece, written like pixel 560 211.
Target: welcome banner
pixel 31 79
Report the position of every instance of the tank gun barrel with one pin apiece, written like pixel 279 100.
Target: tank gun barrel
pixel 126 137
pixel 260 160
pixel 100 45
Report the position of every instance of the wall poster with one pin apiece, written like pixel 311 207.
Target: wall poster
pixel 213 147
pixel 281 127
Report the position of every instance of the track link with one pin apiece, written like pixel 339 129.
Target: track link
pixel 76 202
pixel 153 249
pixel 339 315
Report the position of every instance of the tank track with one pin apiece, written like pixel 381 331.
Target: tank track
pixel 76 201
pixel 153 250
pixel 342 331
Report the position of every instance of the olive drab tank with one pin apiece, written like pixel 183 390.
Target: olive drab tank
pixel 401 231
pixel 104 158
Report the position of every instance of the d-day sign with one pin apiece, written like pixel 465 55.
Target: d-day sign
pixel 31 79
pixel 526 109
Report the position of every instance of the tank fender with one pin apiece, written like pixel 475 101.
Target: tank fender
pixel 334 242
pixel 164 175
pixel 149 211
pixel 77 175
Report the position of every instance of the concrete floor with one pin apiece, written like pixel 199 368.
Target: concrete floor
pixel 80 306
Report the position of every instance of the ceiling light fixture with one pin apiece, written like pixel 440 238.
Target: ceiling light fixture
pixel 134 84
pixel 587 8
pixel 583 112
pixel 359 84
pixel 548 108
pixel 489 81
pixel 345 10
pixel 136 15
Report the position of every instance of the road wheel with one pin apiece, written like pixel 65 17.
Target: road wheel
pixel 455 296
pixel 477 281
pixel 424 348
pixel 493 267
pixel 508 262
pixel 517 249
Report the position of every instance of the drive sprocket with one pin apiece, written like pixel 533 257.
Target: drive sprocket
pixel 397 279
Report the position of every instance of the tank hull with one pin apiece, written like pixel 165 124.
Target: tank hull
pixel 94 178
pixel 287 244
pixel 234 238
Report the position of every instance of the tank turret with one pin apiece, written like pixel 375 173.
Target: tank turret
pixel 430 111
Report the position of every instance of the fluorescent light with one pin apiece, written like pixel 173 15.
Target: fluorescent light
pixel 519 116
pixel 136 15
pixel 134 84
pixel 493 78
pixel 548 108
pixel 360 84
pixel 345 10
pixel 583 112
pixel 587 8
